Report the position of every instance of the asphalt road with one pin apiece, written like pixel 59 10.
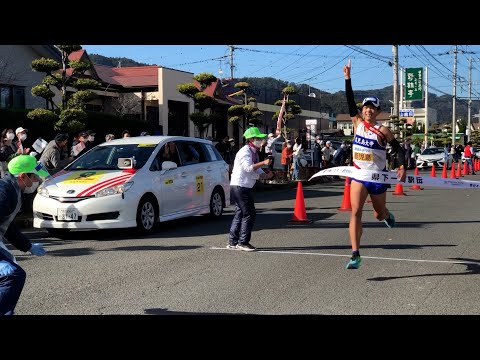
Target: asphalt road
pixel 428 264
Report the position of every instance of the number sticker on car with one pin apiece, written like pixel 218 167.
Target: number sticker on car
pixel 84 177
pixel 199 181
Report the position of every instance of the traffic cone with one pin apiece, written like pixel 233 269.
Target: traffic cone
pixel 416 187
pixel 346 204
pixel 299 213
pixel 398 190
pixel 452 171
pixel 459 170
pixel 444 171
pixel 432 173
pixel 465 168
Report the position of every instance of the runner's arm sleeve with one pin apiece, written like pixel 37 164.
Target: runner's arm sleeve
pixel 399 151
pixel 352 107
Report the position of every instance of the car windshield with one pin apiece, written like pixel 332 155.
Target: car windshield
pixel 106 157
pixel 432 151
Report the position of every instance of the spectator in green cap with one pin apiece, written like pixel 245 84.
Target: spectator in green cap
pixel 23 176
pixel 247 168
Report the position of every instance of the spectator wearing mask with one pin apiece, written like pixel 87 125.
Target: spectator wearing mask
pixel 18 145
pixel 7 151
pixel 270 148
pixel 109 137
pixel 51 155
pixel 468 154
pixel 247 168
pixel 23 178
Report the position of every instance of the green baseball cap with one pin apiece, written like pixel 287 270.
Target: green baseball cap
pixel 253 132
pixel 27 164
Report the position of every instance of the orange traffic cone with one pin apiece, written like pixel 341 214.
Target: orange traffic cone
pixel 459 170
pixel 346 204
pixel 452 171
pixel 416 187
pixel 398 190
pixel 465 168
pixel 432 173
pixel 444 171
pixel 299 213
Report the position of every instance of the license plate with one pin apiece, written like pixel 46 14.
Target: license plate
pixel 67 215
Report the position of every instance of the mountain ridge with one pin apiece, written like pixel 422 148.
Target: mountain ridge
pixel 334 102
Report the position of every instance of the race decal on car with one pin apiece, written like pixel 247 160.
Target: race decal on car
pixel 168 181
pixel 146 145
pixel 84 177
pixel 199 180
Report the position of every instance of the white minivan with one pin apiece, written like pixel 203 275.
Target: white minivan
pixel 134 182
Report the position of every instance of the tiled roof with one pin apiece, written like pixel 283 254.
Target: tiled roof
pixel 133 76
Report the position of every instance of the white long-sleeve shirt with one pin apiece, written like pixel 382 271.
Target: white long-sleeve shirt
pixel 243 174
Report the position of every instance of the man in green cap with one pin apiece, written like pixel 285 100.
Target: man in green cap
pixel 23 177
pixel 246 170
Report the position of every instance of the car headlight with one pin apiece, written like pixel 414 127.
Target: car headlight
pixel 42 190
pixel 114 190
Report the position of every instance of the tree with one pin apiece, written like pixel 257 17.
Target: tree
pixel 7 73
pixel 126 104
pixel 291 109
pixel 248 112
pixel 202 101
pixel 69 74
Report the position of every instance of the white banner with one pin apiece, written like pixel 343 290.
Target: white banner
pixel 390 177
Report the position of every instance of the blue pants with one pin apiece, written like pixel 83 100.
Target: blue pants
pixel 242 223
pixel 11 287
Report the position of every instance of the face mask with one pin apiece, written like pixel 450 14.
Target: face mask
pixel 23 137
pixel 289 146
pixel 10 136
pixel 91 138
pixel 257 143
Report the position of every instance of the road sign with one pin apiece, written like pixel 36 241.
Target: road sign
pixel 414 84
pixel 407 112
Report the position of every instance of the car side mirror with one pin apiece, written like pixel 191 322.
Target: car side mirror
pixel 169 165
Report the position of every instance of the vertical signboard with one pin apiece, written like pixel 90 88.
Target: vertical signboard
pixel 414 84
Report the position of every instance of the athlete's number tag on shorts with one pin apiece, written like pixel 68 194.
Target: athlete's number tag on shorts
pixel 199 181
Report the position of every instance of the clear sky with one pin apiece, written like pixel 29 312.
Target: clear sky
pixel 317 65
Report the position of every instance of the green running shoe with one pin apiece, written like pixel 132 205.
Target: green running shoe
pixel 390 222
pixel 354 263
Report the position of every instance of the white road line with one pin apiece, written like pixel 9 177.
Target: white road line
pixel 364 257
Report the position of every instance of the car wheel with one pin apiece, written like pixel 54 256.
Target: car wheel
pixel 59 233
pixel 216 204
pixel 147 214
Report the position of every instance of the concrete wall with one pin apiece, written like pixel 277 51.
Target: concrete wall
pixel 168 79
pixel 15 63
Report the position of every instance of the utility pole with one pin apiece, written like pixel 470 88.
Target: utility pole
pixel 468 131
pixel 454 121
pixel 395 80
pixel 426 107
pixel 232 49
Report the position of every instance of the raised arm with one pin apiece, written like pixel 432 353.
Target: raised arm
pixel 352 106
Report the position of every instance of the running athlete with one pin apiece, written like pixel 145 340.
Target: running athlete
pixel 369 152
